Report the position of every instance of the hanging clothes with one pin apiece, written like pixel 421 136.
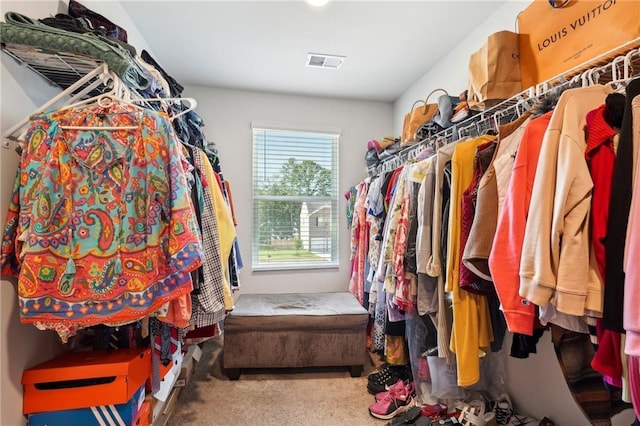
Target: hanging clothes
pixel 564 273
pixel 619 206
pixel 375 213
pixel 601 156
pixel 469 280
pixel 630 134
pixel 227 232
pixel 350 196
pixel 631 287
pixel 436 264
pixel 359 239
pixel 404 250
pixel 492 189
pixel 105 217
pixel 209 302
pixel 506 251
pixel 427 297
pixel 472 333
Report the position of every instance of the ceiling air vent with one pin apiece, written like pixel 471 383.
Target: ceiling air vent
pixel 319 60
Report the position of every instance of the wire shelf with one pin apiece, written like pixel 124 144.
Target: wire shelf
pixel 63 69
pixel 58 68
pixel 617 65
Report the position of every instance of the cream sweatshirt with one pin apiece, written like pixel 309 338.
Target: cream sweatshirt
pixel 556 263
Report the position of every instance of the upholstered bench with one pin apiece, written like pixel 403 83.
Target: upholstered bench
pixel 295 330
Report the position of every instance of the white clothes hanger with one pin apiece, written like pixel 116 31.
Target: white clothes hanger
pixel 99 76
pixel 591 76
pixel 103 101
pixel 14 133
pixel 119 93
pixel 507 112
pixel 108 99
pixel 191 101
pixel 622 71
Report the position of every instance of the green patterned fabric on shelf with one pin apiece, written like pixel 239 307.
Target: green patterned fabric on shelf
pixel 20 29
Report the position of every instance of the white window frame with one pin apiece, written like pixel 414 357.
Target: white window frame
pixel 334 198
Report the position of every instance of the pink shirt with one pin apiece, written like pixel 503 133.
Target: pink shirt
pixel 632 257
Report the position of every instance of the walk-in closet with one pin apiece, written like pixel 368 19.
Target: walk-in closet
pixel 319 212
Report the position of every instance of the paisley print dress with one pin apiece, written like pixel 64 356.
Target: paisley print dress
pixel 100 227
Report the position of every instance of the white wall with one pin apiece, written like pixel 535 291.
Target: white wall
pixel 536 385
pixel 22 344
pixel 22 91
pixel 451 71
pixel 228 115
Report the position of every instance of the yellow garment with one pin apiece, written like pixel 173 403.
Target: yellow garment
pixel 226 229
pixel 472 331
pixel 395 350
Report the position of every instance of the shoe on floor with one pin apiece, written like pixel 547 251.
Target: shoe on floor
pixel 422 421
pixel 393 404
pixel 518 420
pixel 503 409
pixel 449 421
pixel 397 387
pixel 406 418
pixel 473 414
pixel 433 411
pixel 385 371
pixel 388 376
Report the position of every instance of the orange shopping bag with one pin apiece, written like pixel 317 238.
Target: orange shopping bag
pixel 556 39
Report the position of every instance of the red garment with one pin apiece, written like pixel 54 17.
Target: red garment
pixel 219 180
pixel 359 243
pixel 601 157
pixel 227 188
pixel 157 342
pixel 201 334
pixel 391 187
pixel 469 280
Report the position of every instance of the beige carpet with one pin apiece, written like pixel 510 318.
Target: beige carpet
pixel 309 397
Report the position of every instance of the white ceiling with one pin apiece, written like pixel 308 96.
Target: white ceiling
pixel 263 45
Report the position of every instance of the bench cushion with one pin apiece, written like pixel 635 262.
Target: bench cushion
pixel 295 330
pixel 318 311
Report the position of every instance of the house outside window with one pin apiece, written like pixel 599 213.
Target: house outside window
pixel 295 199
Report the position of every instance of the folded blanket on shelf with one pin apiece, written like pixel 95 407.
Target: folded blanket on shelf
pixel 20 29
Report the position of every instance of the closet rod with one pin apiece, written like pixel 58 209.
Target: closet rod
pixel 617 65
pixel 84 82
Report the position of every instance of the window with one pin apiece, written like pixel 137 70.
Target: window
pixel 295 199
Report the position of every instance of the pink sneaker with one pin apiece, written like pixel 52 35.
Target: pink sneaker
pixel 396 401
pixel 397 387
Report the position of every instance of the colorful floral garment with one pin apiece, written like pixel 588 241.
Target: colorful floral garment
pixel 359 243
pixel 105 219
pixel 391 229
pixel 404 251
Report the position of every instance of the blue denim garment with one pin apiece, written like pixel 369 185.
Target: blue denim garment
pixel 176 88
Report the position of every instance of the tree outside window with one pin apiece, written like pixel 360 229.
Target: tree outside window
pixel 295 200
